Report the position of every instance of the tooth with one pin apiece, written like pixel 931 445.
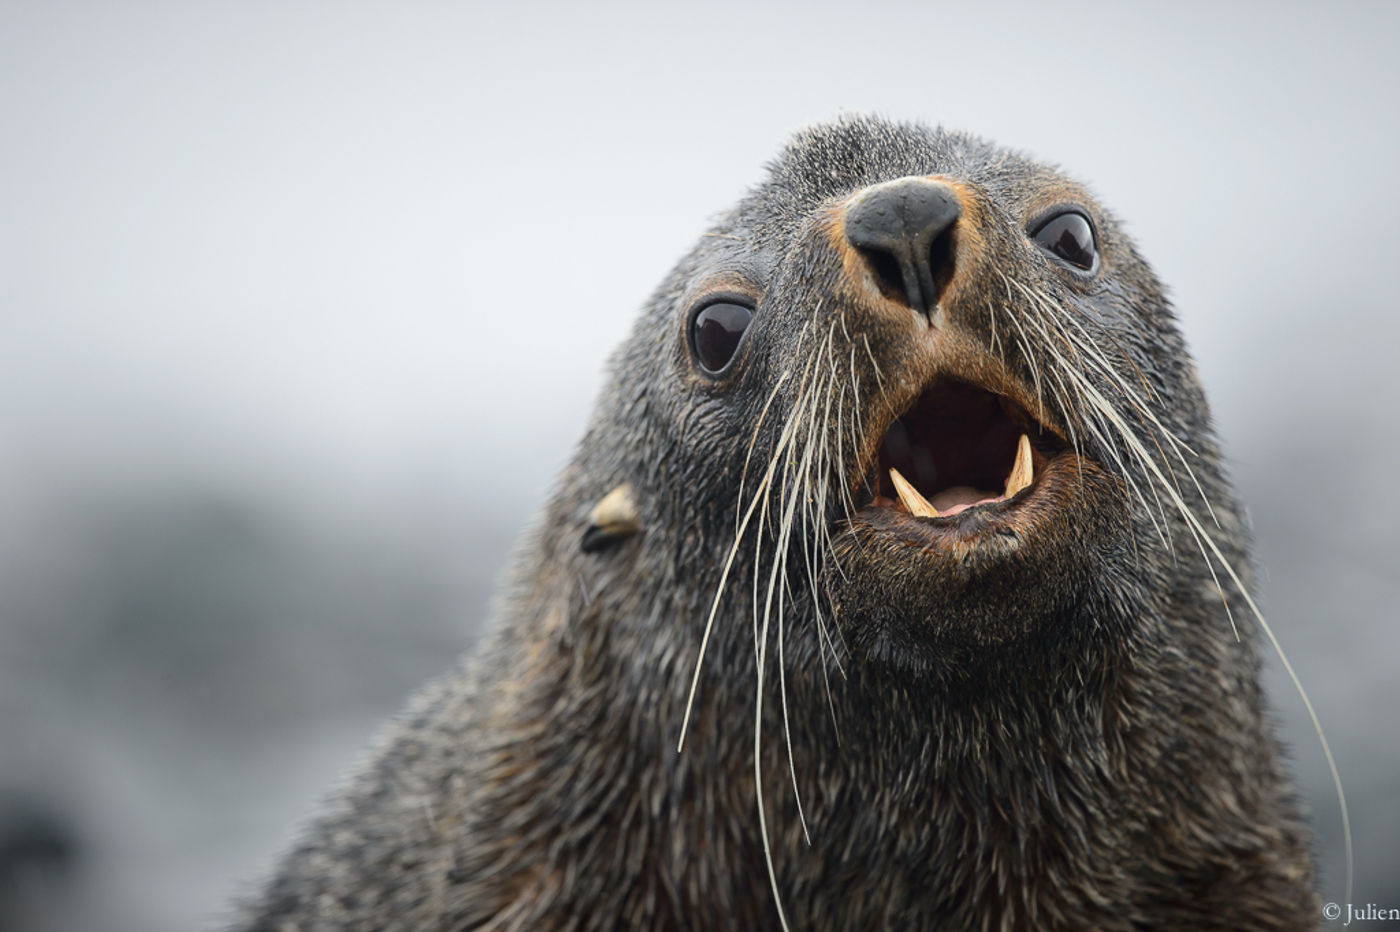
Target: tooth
pixel 911 498
pixel 1022 471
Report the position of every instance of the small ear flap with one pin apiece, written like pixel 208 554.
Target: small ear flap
pixel 613 519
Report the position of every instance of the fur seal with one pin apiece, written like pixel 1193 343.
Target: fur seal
pixel 892 585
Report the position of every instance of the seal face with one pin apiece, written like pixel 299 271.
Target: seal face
pixel 901 515
pixel 947 324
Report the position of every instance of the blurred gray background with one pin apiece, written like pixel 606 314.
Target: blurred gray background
pixel 302 305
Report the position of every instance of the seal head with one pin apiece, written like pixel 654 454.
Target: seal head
pixel 902 516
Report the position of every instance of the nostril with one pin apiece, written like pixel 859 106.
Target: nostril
pixel 941 258
pixel 888 276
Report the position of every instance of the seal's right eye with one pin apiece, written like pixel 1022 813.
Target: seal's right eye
pixel 715 332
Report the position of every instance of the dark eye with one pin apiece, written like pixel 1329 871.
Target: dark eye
pixel 1069 236
pixel 715 333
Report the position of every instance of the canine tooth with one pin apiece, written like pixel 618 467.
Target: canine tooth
pixel 1022 471
pixel 911 498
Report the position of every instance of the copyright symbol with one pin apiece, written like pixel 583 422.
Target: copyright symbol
pixel 1331 911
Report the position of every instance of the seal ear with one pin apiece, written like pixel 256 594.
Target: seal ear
pixel 613 519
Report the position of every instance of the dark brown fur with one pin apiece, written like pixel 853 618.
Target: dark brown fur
pixel 1051 725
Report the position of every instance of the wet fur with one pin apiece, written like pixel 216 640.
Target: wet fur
pixel 1065 735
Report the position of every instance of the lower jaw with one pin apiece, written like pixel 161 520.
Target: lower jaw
pixel 933 592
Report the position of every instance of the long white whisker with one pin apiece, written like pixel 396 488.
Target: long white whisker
pixel 779 572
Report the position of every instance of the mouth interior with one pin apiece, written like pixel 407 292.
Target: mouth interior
pixel 957 446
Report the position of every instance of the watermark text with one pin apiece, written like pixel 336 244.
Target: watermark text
pixel 1369 912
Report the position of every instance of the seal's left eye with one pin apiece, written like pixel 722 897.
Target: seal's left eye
pixel 1069 236
pixel 715 332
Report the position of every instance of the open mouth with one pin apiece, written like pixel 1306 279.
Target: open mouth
pixel 959 447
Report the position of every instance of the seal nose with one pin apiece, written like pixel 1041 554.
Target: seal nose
pixel 904 230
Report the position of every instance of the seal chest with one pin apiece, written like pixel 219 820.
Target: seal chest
pixel 891 586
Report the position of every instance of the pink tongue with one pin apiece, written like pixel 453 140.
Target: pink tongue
pixel 960 498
